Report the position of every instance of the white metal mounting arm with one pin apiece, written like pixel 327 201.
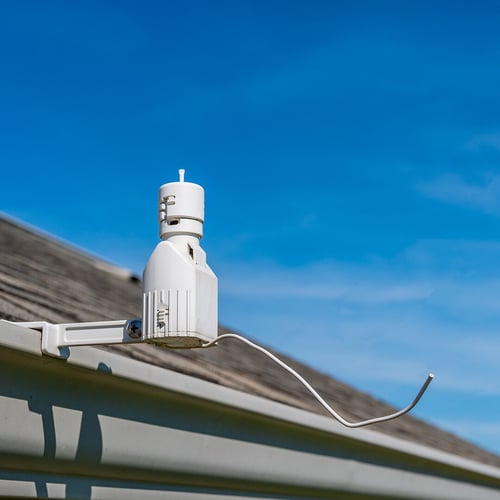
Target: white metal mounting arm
pixel 57 338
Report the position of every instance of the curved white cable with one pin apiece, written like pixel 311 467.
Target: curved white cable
pixel 308 386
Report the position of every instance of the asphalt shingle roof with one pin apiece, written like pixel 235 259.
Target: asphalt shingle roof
pixel 42 278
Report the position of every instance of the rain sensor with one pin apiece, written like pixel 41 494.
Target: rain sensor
pixel 179 307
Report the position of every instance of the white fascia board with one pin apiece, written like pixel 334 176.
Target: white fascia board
pixel 171 426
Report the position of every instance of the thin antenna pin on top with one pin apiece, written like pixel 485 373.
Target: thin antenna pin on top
pixel 181 174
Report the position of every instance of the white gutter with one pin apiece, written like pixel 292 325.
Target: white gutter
pixel 113 427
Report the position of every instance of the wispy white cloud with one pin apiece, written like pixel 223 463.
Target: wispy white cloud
pixel 324 281
pixel 453 189
pixel 468 281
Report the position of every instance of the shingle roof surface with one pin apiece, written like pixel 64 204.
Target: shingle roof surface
pixel 42 278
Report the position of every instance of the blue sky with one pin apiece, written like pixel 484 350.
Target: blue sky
pixel 350 155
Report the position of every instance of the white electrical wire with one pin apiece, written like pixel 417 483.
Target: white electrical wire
pixel 308 386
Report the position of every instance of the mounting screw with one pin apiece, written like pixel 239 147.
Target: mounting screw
pixel 133 328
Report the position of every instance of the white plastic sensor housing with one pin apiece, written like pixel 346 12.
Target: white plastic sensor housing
pixel 180 289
